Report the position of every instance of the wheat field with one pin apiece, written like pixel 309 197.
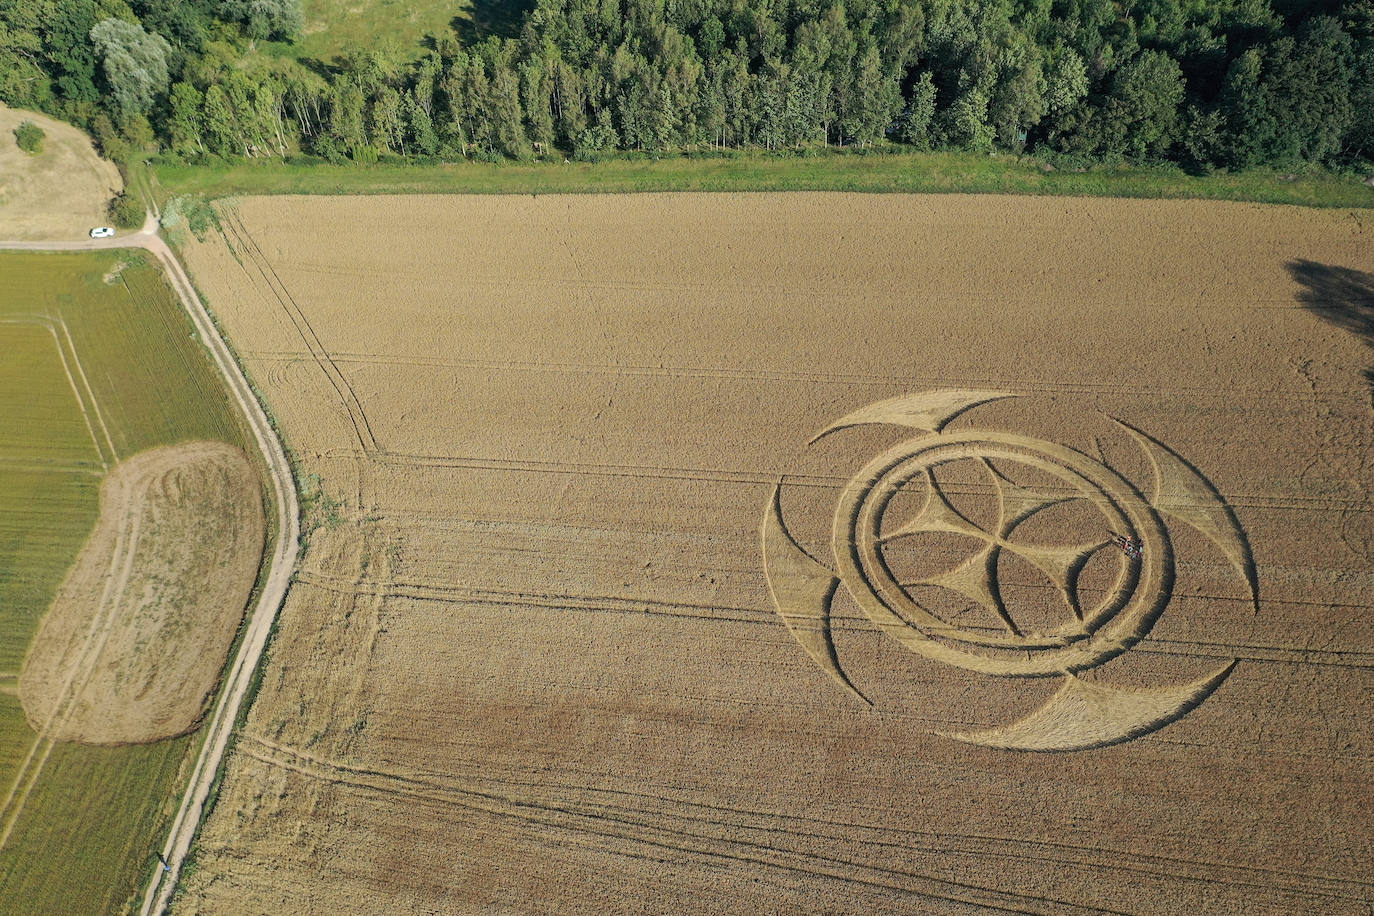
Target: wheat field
pixel 807 553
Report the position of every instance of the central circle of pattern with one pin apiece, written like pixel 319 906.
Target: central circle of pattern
pixel 1102 632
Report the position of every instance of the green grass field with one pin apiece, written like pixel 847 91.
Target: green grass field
pixel 834 171
pixel 92 342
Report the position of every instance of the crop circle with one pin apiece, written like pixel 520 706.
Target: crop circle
pixel 1107 629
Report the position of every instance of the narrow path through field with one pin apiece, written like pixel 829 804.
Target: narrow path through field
pixel 281 562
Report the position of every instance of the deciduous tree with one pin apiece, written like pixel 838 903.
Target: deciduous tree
pixel 135 63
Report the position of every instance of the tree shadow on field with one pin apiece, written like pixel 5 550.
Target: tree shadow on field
pixel 318 67
pixel 1341 295
pixel 485 18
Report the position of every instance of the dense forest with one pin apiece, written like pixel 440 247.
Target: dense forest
pixel 1205 83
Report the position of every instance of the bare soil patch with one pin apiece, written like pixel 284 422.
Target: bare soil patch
pixel 59 193
pixel 132 647
pixel 539 656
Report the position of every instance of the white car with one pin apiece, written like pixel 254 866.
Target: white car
pixel 102 232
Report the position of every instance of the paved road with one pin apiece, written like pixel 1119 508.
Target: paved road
pixel 282 562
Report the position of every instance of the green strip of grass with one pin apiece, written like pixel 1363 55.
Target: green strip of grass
pixel 833 171
pixel 86 838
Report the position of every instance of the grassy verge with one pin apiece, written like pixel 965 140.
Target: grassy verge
pixel 88 832
pixel 138 180
pixel 832 171
pixel 194 216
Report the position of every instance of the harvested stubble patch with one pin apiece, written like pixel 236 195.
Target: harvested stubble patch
pixel 536 663
pixel 131 649
pixel 57 193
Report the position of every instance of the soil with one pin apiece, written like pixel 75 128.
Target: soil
pixel 536 658
pixel 59 193
pixel 132 648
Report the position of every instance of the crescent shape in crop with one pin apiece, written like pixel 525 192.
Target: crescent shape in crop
pixel 1084 715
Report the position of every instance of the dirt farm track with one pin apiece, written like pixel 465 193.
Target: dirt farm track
pixel 754 554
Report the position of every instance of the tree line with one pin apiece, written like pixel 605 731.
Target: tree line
pixel 1205 83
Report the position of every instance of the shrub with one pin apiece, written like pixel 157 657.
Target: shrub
pixel 126 211
pixel 186 212
pixel 29 136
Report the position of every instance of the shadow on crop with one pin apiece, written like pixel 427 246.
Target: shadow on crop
pixel 1341 295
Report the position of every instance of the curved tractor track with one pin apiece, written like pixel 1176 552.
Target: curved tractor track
pixel 281 563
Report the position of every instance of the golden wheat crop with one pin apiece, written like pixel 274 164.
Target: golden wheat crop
pixel 755 553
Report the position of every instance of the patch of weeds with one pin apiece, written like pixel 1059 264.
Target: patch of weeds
pixel 187 212
pixel 190 865
pixel 29 136
pixel 114 272
pixel 318 508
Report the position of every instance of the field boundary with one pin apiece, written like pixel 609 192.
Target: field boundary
pixel 282 560
pixel 905 172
